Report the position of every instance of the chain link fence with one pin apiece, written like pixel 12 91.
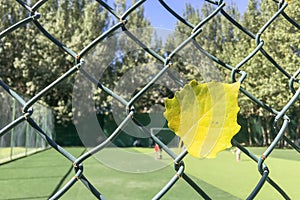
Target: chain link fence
pixel 236 73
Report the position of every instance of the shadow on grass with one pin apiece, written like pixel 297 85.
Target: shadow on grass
pixel 62 180
pixel 213 191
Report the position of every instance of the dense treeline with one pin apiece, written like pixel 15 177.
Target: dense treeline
pixel 29 62
pixel 264 81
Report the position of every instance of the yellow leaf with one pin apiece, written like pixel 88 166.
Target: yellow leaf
pixel 204 116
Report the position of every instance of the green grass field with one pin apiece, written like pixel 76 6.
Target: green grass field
pixel 39 175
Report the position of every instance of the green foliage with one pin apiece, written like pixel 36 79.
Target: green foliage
pixel 35 62
pixel 131 65
pixel 29 62
pixel 221 39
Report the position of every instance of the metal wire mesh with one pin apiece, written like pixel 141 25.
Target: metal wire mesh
pixel 281 120
pixel 22 140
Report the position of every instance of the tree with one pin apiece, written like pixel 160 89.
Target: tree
pixel 132 65
pixel 282 42
pixel 10 45
pixel 264 81
pixel 38 62
pixel 246 45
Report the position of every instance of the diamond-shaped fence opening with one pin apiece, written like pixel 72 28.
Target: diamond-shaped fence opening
pixel 168 69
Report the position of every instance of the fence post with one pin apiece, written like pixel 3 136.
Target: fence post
pixel 26 139
pixel 12 130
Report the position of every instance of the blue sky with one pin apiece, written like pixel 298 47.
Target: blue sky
pixel 159 17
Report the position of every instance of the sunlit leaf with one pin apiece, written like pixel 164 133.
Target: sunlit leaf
pixel 204 116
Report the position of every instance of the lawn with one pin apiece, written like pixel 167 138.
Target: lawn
pixel 41 174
